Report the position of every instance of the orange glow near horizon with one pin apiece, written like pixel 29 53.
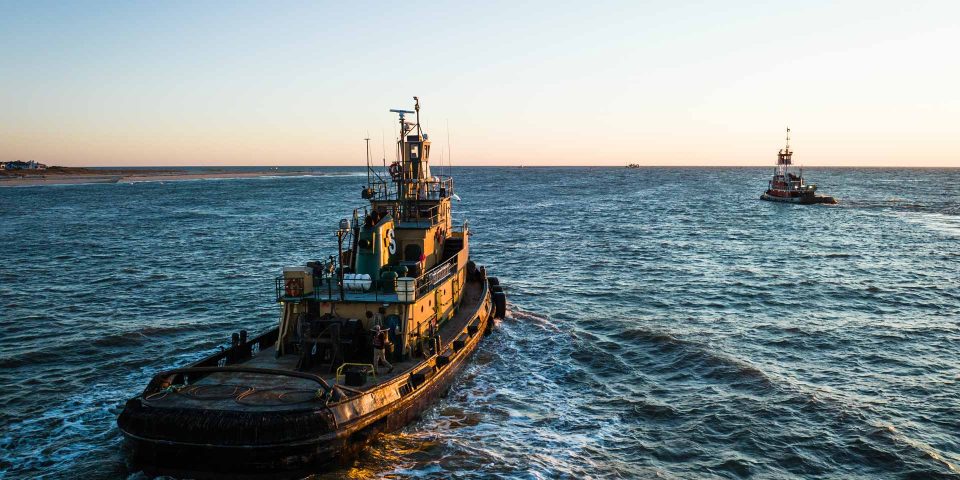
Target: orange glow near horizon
pixel 860 84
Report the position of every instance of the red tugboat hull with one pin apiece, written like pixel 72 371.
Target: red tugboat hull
pixel 799 200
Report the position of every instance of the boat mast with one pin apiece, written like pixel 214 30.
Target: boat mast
pixel 401 157
pixel 417 108
pixel 784 158
pixel 369 169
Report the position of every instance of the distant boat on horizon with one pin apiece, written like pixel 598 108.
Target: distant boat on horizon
pixel 633 165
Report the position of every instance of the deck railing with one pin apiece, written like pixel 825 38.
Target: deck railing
pixel 327 288
pixel 428 214
pixel 386 190
pixel 437 275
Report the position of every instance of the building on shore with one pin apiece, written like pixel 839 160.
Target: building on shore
pixel 18 165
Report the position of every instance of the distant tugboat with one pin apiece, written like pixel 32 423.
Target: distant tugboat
pixel 633 165
pixel 789 188
pixel 308 392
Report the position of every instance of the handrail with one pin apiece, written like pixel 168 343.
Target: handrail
pixel 450 261
pixel 437 274
pixel 326 288
pixel 413 214
pixel 384 190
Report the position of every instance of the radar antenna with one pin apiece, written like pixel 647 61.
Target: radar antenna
pixel 406 127
pixel 403 122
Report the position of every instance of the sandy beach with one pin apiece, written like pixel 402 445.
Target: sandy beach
pixel 139 176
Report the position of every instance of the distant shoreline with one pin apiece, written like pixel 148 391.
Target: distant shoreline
pixel 76 176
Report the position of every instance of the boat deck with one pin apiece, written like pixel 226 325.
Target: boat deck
pixel 253 391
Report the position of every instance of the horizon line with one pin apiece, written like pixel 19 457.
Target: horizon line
pixel 505 165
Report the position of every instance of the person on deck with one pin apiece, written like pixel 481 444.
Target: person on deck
pixel 434 336
pixel 381 317
pixel 380 349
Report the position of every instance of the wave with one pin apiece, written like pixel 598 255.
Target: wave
pixel 688 355
pixel 63 351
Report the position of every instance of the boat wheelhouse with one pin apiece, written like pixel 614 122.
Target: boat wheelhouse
pixel 308 392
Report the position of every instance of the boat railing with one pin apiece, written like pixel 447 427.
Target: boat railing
pixel 428 214
pixel 461 230
pixel 423 214
pixel 381 191
pixel 435 188
pixel 437 275
pixel 328 287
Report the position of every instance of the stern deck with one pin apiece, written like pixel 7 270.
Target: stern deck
pixel 251 391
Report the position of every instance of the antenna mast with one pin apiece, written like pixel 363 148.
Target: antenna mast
pixel 784 157
pixel 416 106
pixel 400 153
pixel 368 158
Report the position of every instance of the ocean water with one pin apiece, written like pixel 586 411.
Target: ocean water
pixel 664 323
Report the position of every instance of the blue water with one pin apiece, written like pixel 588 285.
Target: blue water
pixel 663 322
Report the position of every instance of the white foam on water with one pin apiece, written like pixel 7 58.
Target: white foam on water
pixel 937 222
pixel 60 437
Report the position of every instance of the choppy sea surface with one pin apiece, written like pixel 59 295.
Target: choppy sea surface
pixel 664 322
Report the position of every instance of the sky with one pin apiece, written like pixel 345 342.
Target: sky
pixel 859 83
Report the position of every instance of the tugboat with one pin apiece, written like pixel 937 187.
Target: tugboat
pixel 787 187
pixel 309 393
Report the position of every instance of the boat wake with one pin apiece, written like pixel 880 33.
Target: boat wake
pixel 659 389
pixel 941 223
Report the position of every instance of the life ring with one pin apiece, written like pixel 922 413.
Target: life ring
pixel 395 170
pixel 293 287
